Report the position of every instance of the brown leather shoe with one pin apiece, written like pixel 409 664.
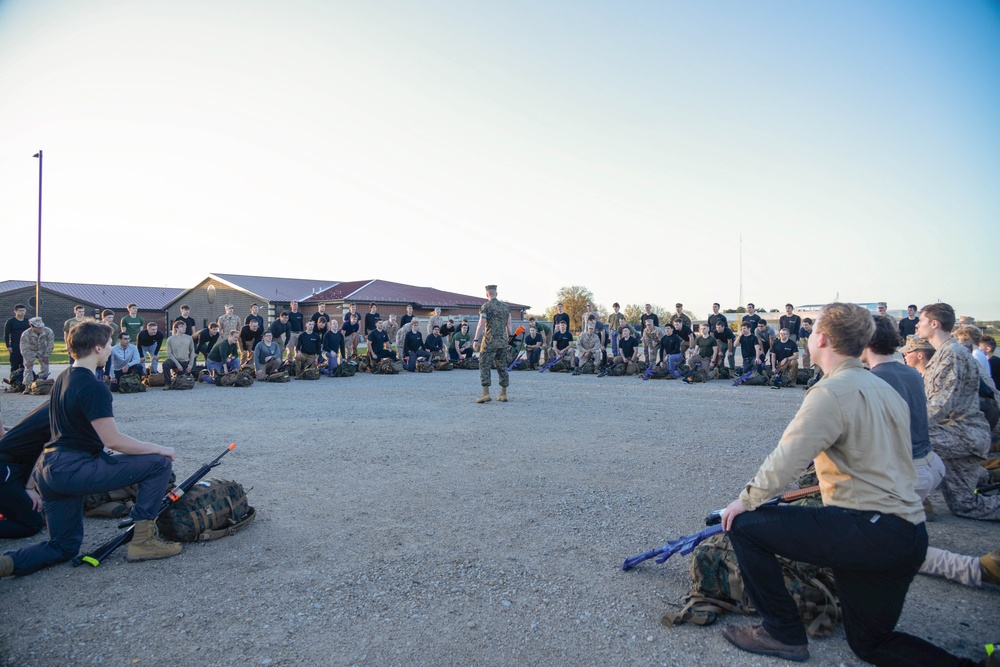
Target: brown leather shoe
pixel 755 639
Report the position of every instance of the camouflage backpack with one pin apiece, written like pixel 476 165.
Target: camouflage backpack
pixel 110 504
pixel 183 381
pixel 757 379
pixel 725 373
pixel 308 373
pixel 362 364
pixel 234 379
pixel 387 367
pixel 468 364
pixel 154 380
pixel 211 509
pixel 815 378
pixel 698 375
pixel 345 370
pixel 130 383
pixel 617 370
pixel 804 375
pixel 15 382
pixel 425 367
pixel 40 387
pixel 718 589
pixel 443 366
pixel 587 368
pixel 280 376
pixel 562 366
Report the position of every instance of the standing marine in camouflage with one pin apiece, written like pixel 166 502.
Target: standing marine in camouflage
pixel 493 330
pixel 958 430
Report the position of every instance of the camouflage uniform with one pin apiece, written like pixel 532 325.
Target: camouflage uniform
pixel 650 344
pixel 229 323
pixel 391 329
pixel 493 348
pixel 958 430
pixel 588 342
pixel 36 346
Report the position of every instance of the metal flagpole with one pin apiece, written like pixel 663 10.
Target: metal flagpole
pixel 38 279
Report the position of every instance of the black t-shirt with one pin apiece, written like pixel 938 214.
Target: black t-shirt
pixel 413 342
pixel 560 317
pixel 562 339
pixel 684 332
pixel 748 347
pixel 260 321
pixel 144 339
pixel 12 332
pixel 433 343
pixel 348 328
pixel 649 316
pixel 533 340
pixel 791 322
pixel 447 329
pixel 404 320
pixel 379 340
pixel 752 320
pixel 315 316
pixel 277 329
pixel 670 345
pixel 725 335
pixel 295 320
pixel 250 338
pixel 627 346
pixel 713 318
pixel 205 340
pixel 908 327
pixel 78 398
pixel 23 443
pixel 309 343
pixel 370 320
pixel 189 321
pixel 784 350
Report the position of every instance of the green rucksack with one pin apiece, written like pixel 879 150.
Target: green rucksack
pixel 130 383
pixel 210 509
pixel 345 370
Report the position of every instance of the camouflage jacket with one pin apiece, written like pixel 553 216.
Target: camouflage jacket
pixel 588 341
pixel 229 323
pixel 957 425
pixel 651 339
pixel 37 344
pixel 495 313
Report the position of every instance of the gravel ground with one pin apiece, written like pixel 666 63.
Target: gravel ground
pixel 399 523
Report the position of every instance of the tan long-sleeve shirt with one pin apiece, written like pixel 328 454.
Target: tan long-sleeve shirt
pixel 857 429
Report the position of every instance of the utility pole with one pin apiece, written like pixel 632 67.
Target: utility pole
pixel 741 271
pixel 38 278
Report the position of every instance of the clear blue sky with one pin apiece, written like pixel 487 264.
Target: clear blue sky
pixel 855 146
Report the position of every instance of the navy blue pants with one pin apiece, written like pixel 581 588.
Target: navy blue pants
pixel 66 477
pixel 19 518
pixel 873 557
pixel 411 360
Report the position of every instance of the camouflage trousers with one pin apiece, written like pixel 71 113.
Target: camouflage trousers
pixel 490 357
pixel 963 475
pixel 29 365
pixel 789 372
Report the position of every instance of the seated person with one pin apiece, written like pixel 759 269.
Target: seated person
pixel 250 335
pixel 785 357
pixel 545 333
pixel 350 331
pixel 650 341
pixel 628 347
pixel 750 350
pixel 534 342
pixel 308 348
pixel 561 340
pixel 378 343
pixel 124 359
pixel 206 339
pixel 266 356
pixel 670 346
pixel 180 353
pixel 149 342
pixel 588 347
pixel 413 346
pixel 20 448
pixel 727 343
pixel 435 344
pixel 75 463
pixel 461 344
pixel 705 352
pixel 333 346
pixel 281 331
pixel 225 356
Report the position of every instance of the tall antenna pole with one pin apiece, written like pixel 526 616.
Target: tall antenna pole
pixel 38 279
pixel 741 271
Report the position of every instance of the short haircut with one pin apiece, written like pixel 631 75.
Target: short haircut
pixel 720 323
pixel 615 305
pixel 886 338
pixel 123 334
pixel 990 343
pixel 942 313
pixel 434 327
pixel 373 305
pixel 184 306
pixel 78 306
pixel 750 305
pixel 131 306
pixel 20 306
pixel 213 325
pixel 106 312
pixel 559 304
pixel 807 320
pixel 762 321
pixel 785 329
pixel 85 336
pixel 254 304
pixel 788 305
pixel 848 326
pixel 178 323
pixel 152 324
pixel 717 304
pixel 913 306
pixel 969 332
pixel 234 332
pixel 667 325
pixel 745 325
pixel 283 313
pixel 590 318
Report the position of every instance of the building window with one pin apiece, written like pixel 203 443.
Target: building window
pixel 211 293
pixel 31 301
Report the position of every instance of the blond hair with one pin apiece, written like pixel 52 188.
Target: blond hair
pixel 848 326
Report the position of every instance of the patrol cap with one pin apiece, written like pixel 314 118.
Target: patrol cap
pixel 491 288
pixel 882 304
pixel 678 305
pixel 916 344
pixel 36 322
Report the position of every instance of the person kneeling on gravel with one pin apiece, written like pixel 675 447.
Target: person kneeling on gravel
pixel 74 463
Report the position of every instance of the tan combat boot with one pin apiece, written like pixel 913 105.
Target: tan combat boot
pixel 485 398
pixel 147 544
pixel 6 566
pixel 503 395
